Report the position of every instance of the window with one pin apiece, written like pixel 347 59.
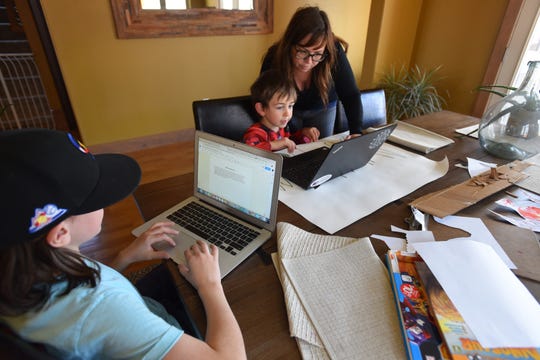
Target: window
pixel 169 5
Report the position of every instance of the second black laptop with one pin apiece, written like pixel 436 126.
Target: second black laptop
pixel 315 167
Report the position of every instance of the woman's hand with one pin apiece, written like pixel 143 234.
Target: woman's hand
pixel 144 247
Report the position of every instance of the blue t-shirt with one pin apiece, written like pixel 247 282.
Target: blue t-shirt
pixel 109 321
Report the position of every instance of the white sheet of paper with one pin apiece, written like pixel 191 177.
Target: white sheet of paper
pixel 477 167
pixel 342 201
pixel 471 131
pixel 479 232
pixel 414 236
pixel 498 308
pixel 393 243
pixel 532 182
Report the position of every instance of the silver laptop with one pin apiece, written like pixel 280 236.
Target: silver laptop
pixel 234 202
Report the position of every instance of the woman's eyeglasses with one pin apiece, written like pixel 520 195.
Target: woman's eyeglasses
pixel 303 54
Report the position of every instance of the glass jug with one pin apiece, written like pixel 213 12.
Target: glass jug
pixel 510 128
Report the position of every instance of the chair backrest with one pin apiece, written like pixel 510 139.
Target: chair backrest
pixel 374 108
pixel 226 117
pixel 374 111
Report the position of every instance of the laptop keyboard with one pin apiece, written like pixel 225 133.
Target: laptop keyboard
pixel 309 165
pixel 300 168
pixel 215 228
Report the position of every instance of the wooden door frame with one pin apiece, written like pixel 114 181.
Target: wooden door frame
pixel 505 32
pixel 39 39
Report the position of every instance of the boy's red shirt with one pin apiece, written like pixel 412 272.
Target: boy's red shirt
pixel 260 136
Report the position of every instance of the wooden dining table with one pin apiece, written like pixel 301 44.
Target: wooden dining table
pixel 253 289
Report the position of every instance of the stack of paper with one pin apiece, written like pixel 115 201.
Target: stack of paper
pixel 338 296
pixel 417 138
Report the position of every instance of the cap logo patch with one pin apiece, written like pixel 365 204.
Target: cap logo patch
pixel 44 217
pixel 79 145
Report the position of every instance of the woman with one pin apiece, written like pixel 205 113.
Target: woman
pixel 310 54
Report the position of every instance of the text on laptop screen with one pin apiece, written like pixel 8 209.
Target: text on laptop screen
pixel 237 178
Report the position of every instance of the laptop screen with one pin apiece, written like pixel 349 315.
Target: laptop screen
pixel 236 178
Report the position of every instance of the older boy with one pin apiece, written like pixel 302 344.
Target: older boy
pixel 53 192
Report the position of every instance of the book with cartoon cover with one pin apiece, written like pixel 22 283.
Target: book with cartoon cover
pixel 460 340
pixel 420 333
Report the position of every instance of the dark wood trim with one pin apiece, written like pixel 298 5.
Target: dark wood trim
pixel 54 67
pixel 134 22
pixel 497 55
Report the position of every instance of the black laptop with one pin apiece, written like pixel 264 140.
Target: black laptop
pixel 315 167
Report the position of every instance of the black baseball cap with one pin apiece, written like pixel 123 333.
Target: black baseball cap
pixel 48 175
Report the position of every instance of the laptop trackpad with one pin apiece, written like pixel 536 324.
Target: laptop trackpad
pixel 183 242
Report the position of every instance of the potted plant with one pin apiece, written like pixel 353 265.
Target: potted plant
pixel 411 92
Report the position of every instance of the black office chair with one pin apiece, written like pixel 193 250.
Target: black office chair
pixel 226 117
pixel 159 284
pixel 12 346
pixel 374 111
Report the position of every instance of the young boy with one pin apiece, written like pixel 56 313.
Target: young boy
pixel 53 193
pixel 274 98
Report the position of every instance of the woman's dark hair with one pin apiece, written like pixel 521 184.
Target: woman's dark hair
pixel 29 269
pixel 311 24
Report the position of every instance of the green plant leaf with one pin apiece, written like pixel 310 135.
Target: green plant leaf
pixel 411 92
pixel 495 89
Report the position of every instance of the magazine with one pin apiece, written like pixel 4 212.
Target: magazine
pixel 420 333
pixel 459 339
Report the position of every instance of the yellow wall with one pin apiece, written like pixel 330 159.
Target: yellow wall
pixel 460 35
pixel 391 37
pixel 457 34
pixel 122 89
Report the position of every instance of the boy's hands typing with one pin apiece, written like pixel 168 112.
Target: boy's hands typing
pixel 202 268
pixel 284 143
pixel 143 247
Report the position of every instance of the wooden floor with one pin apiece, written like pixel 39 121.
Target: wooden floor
pixel 156 163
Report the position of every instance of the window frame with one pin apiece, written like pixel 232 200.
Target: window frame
pixel 133 22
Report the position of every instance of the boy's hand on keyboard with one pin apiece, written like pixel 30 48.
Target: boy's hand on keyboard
pixel 145 246
pixel 284 143
pixel 202 268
